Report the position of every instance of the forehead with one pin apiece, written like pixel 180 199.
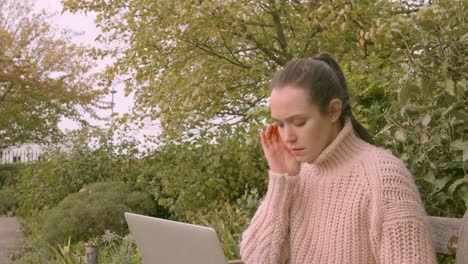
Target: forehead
pixel 289 101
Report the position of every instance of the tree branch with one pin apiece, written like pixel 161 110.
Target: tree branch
pixel 209 50
pixel 279 28
pixel 9 89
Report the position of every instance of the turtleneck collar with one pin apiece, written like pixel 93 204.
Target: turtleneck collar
pixel 344 148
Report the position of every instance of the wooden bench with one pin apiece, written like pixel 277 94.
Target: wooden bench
pixel 449 236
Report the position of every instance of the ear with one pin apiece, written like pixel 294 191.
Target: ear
pixel 334 109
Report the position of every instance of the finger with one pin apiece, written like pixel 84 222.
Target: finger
pixel 271 139
pixel 274 133
pixel 276 138
pixel 268 133
pixel 263 139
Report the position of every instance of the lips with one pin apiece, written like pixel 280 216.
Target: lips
pixel 296 151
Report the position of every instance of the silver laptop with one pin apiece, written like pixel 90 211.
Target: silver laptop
pixel 163 241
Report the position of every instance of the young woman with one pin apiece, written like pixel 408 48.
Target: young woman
pixel 332 196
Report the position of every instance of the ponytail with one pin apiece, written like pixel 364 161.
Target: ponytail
pixel 360 130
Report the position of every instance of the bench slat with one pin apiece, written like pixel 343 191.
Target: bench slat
pixel 445 233
pixel 462 252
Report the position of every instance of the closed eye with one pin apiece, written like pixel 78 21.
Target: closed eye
pixel 299 124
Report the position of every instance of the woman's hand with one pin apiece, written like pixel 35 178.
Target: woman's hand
pixel 279 158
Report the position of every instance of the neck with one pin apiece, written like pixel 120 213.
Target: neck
pixel 335 132
pixel 344 147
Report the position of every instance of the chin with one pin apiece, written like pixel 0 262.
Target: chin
pixel 301 159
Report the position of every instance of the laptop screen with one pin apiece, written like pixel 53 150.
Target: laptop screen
pixel 164 241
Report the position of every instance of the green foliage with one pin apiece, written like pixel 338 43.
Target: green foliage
pixel 34 249
pixel 9 174
pixel 194 63
pixel 90 157
pixel 8 200
pixel 43 76
pixel 191 175
pixel 426 125
pixel 117 249
pixel 8 197
pixel 210 61
pixel 66 255
pixel 202 69
pixel 113 249
pixel 96 208
pixel 370 90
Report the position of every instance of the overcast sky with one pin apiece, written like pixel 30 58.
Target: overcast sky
pixel 85 24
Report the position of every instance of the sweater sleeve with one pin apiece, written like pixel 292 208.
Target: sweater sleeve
pixel 406 236
pixel 266 240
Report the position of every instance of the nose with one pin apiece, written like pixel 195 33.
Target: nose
pixel 288 135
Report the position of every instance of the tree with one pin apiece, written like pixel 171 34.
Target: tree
pixel 426 125
pixel 197 64
pixel 43 76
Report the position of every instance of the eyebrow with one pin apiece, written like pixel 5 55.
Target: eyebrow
pixel 290 117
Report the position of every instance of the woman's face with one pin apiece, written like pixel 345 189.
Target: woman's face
pixel 305 131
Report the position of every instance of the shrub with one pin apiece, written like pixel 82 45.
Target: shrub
pixel 8 201
pixel 186 177
pixel 426 127
pixel 95 209
pixel 116 249
pixel 113 249
pixel 8 174
pixel 44 183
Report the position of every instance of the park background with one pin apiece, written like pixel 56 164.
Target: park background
pixel 199 70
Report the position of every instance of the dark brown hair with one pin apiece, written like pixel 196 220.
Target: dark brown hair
pixel 322 77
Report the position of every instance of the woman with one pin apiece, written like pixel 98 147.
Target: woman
pixel 332 196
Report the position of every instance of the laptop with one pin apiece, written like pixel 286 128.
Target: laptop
pixel 164 241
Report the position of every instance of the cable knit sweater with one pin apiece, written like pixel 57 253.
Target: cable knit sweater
pixel 355 203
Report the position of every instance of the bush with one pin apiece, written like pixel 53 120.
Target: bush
pixel 8 174
pixel 95 209
pixel 113 249
pixel 116 249
pixel 426 126
pixel 186 177
pixel 44 183
pixel 8 200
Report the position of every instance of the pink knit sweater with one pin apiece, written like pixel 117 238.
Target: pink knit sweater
pixel 355 203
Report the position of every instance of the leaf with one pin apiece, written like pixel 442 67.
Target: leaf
pixel 48 74
pixel 464 39
pixel 450 86
pixel 400 136
pixel 455 185
pixel 407 92
pixel 403 95
pixel 462 145
pixel 428 86
pixel 443 68
pixel 439 184
pixel 426 120
pixel 211 183
pixel 429 177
